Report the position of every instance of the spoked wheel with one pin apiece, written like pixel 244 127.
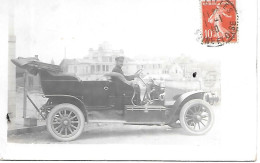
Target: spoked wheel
pixel 197 117
pixel 65 122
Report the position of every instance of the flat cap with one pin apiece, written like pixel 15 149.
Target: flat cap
pixel 119 58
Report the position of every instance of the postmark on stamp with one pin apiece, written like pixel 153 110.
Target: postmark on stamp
pixel 219 22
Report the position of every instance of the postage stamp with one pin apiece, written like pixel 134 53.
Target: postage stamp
pixel 219 21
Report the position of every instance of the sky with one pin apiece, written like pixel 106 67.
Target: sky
pixel 144 28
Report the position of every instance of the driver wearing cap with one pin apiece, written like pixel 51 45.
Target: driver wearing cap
pixel 118 68
pixel 119 84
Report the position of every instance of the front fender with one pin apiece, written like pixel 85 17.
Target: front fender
pixel 174 110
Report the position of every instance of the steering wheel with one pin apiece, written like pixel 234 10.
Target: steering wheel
pixel 139 72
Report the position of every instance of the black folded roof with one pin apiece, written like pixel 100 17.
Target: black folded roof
pixel 34 63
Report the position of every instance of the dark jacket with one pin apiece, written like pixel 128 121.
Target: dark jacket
pixel 120 89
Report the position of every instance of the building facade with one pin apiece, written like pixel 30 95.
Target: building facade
pixel 102 60
pixel 95 64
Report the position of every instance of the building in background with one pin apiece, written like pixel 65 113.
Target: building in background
pixel 102 60
pixel 94 65
pixel 165 68
pixel 188 66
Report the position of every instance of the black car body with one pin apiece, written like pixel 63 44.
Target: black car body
pixel 72 102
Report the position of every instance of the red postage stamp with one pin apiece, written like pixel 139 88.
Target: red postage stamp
pixel 219 21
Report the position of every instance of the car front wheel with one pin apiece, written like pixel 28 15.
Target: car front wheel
pixel 196 117
pixel 65 122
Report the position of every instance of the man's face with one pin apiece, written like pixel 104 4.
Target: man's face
pixel 120 62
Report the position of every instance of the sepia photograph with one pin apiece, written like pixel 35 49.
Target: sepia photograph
pixel 130 80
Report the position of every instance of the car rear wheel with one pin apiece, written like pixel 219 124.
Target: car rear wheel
pixel 65 122
pixel 196 117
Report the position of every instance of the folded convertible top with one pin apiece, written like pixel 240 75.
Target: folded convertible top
pixel 34 63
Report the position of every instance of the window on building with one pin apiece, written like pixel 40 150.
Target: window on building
pixel 110 59
pixel 86 69
pixel 75 69
pixel 107 68
pixel 103 68
pixel 92 69
pixel 66 69
pixel 105 59
pixel 98 68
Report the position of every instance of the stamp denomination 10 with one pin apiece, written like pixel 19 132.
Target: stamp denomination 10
pixel 219 21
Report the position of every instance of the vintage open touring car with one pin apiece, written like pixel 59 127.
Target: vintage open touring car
pixel 71 103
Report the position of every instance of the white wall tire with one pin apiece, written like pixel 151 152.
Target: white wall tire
pixel 196 117
pixel 65 122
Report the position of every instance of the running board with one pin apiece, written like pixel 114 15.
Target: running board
pixel 145 123
pixel 106 121
pixel 128 123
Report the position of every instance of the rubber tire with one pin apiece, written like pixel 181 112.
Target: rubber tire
pixel 186 107
pixel 76 110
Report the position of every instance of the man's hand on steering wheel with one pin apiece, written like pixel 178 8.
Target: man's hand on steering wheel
pixel 137 74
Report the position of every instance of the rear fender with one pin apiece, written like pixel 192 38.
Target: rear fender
pixel 58 99
pixel 175 109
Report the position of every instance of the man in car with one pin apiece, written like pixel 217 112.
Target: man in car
pixel 118 68
pixel 119 84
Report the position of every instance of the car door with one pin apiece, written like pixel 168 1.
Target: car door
pixel 96 93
